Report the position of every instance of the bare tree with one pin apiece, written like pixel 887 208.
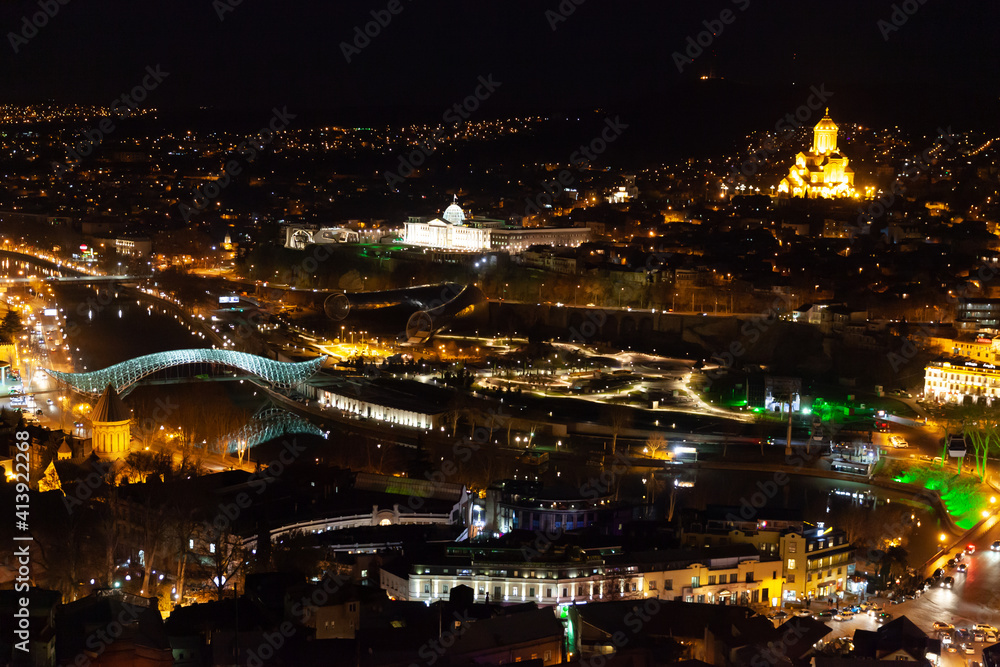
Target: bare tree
pixel 619 418
pixel 656 444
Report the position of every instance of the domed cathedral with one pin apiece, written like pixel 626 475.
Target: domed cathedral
pixel 822 171
pixel 111 422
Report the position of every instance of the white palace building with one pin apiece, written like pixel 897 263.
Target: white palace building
pixel 458 232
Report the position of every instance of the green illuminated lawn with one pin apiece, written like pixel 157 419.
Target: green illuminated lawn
pixel 963 496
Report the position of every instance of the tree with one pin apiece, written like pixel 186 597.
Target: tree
pixel 10 326
pixel 109 518
pixel 982 430
pixel 219 554
pixel 619 418
pixel 656 444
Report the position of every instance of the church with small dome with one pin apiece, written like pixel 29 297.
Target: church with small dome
pixel 823 171
pixel 111 421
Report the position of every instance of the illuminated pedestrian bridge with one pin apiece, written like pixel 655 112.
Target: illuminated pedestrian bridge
pixel 127 373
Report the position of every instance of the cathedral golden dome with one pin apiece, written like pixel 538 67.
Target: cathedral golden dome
pixel 826 123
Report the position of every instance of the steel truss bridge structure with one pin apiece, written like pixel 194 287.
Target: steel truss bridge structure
pixel 124 375
pixel 267 424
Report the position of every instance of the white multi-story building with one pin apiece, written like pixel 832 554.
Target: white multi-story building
pixel 954 381
pixel 724 575
pixel 455 231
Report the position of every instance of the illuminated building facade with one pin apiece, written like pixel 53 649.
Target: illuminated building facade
pixel 111 419
pixel 823 170
pixel 455 231
pixel 955 381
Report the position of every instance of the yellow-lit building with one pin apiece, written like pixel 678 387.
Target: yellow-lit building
pixel 822 171
pixel 954 381
pixel 111 423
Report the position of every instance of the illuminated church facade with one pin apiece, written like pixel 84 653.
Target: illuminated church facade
pixel 822 171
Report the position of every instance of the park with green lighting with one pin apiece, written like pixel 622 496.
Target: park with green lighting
pixel 965 498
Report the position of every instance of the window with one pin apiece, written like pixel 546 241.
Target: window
pixel 211 548
pixel 733 578
pixel 763 595
pixel 514 591
pixel 791 564
pixel 668 585
pixel 191 544
pixel 531 592
pixel 444 589
pixel 548 656
pixel 497 593
pixel 652 585
pixel 812 545
pixel 792 547
pixel 749 579
pixel 774 574
pixel 565 592
pixel 791 578
pixel 809 577
pixel 840 570
pixel 754 599
pixel 711 579
pixel 695 582
pixel 548 592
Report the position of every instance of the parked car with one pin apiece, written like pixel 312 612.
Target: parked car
pixel 952 563
pixel 978 636
pixel 991 637
pixel 984 627
pixel 938 573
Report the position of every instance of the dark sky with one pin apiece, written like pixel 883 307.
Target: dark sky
pixel 287 52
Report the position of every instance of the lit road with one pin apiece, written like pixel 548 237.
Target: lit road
pixel 975 598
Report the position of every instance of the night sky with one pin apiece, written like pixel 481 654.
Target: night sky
pixel 277 52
